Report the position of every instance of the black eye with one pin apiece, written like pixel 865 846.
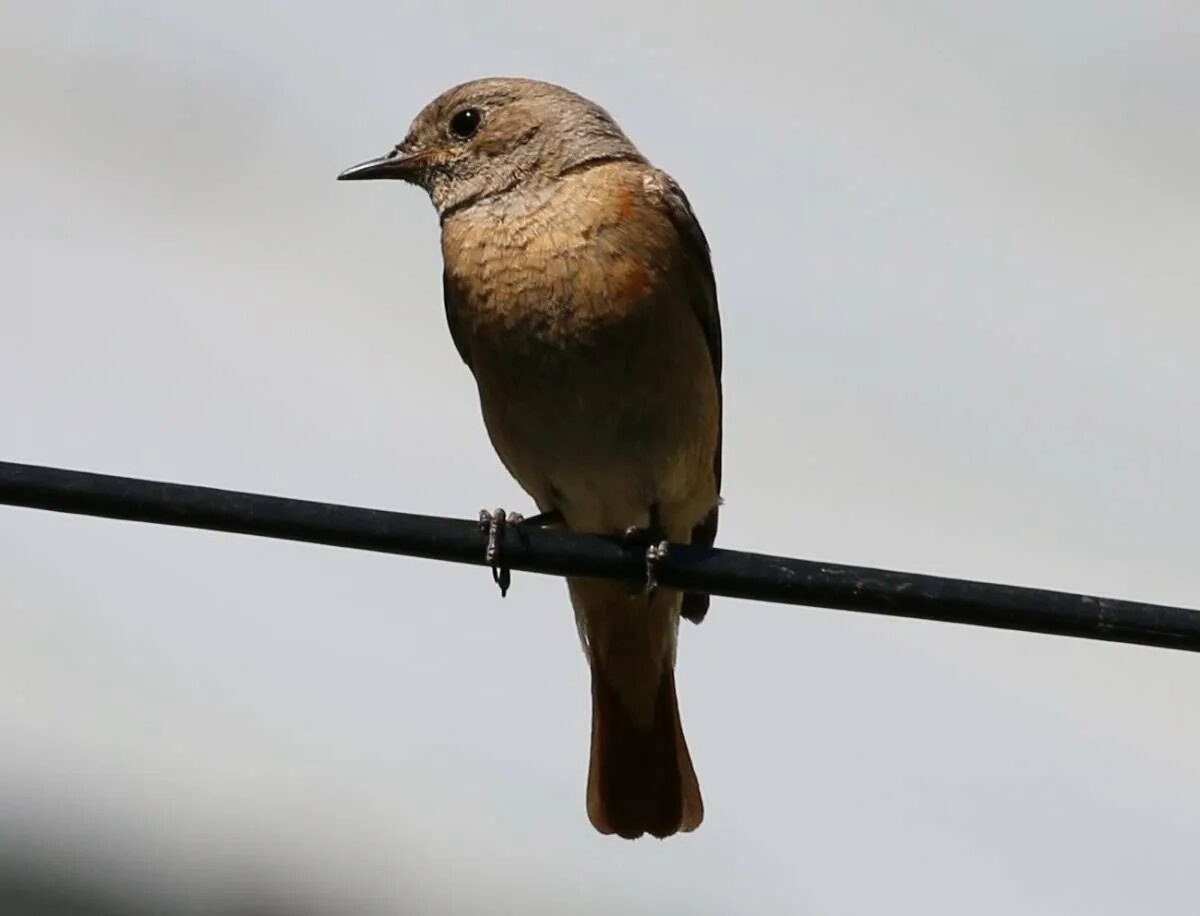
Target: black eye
pixel 464 123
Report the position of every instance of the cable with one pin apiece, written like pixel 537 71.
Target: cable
pixel 730 573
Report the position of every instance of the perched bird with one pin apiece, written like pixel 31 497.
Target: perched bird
pixel 579 292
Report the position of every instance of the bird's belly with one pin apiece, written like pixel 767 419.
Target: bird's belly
pixel 604 423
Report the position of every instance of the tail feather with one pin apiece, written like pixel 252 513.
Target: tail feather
pixel 640 779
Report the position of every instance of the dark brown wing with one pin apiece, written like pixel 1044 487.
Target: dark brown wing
pixel 703 289
pixel 452 298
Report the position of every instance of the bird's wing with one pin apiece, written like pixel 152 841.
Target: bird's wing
pixel 703 298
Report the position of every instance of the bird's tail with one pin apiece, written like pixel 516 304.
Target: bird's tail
pixel 640 779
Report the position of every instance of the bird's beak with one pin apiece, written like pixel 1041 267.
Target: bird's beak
pixel 395 165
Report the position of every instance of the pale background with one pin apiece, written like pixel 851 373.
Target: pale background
pixel 957 251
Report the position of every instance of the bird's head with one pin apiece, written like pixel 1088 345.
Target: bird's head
pixel 488 137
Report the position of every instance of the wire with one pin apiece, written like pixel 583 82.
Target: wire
pixel 730 573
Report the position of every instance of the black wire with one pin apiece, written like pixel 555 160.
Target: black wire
pixel 719 572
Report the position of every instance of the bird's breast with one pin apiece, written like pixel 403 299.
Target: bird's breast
pixel 561 269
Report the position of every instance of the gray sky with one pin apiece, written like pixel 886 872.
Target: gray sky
pixel 957 259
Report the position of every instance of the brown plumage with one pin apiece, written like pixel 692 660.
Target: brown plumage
pixel 579 291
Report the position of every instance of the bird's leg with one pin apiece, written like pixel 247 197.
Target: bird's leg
pixel 493 524
pixel 656 543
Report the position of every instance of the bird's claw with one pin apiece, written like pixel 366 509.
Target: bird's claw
pixel 494 523
pixel 656 550
pixel 655 554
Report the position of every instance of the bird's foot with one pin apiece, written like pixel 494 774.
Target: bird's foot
pixel 493 524
pixel 656 550
pixel 655 554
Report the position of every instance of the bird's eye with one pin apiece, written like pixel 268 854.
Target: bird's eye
pixel 464 123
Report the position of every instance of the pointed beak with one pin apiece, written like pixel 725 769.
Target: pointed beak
pixel 395 165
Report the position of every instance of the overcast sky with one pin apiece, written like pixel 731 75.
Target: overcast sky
pixel 958 257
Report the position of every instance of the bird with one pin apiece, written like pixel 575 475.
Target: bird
pixel 579 291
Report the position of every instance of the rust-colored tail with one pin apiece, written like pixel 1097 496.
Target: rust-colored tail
pixel 641 778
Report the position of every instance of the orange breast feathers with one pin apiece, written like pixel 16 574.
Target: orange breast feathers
pixel 594 248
